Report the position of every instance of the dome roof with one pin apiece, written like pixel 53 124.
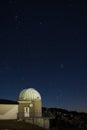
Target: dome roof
pixel 29 94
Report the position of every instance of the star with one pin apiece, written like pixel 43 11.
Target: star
pixel 62 66
pixel 41 23
pixel 16 17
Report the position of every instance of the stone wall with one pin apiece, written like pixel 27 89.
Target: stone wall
pixel 42 122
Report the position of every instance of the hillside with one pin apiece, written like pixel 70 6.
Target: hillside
pixel 66 120
pixel 15 125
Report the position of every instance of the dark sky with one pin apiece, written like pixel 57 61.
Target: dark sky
pixel 43 44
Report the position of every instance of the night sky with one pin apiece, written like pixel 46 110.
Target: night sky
pixel 43 45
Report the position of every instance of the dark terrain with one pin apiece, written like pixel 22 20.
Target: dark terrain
pixel 66 120
pixel 15 125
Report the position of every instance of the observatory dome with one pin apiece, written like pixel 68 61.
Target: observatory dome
pixel 29 94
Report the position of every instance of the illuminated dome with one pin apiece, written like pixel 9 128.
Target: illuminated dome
pixel 29 94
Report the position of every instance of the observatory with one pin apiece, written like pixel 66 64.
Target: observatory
pixel 28 108
pixel 29 104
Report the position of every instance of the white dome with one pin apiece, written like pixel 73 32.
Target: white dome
pixel 29 94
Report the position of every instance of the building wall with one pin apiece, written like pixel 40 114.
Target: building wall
pixel 42 122
pixel 21 107
pixel 8 111
pixel 38 108
pixel 34 111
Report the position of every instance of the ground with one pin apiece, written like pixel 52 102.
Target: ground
pixel 17 125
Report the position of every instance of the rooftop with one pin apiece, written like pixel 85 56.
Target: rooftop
pixel 6 101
